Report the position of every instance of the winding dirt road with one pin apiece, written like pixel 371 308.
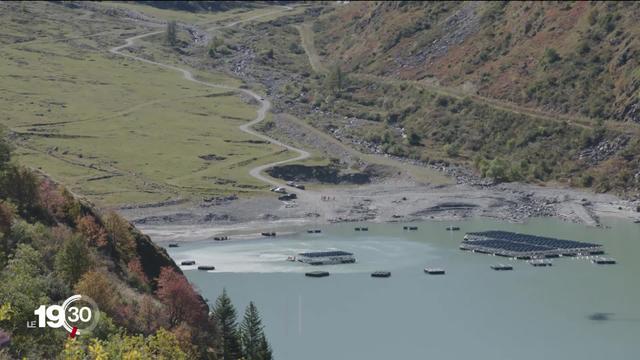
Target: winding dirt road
pixel 261 114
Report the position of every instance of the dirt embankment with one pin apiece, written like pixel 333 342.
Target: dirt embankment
pixel 319 174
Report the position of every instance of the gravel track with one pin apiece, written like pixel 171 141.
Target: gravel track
pixel 265 104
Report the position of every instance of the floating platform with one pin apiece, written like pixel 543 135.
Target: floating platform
pixel 502 267
pixel 188 262
pixel 453 228
pixel 317 274
pixel 381 274
pixel 268 234
pixel 206 267
pixel 524 246
pixel 540 263
pixel 326 257
pixel 434 271
pixel 173 245
pixel 603 261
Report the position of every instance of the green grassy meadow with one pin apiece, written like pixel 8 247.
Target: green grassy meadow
pixel 113 129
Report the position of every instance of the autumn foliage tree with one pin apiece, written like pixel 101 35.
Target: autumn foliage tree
pixel 51 199
pixel 99 287
pixel 119 232
pixel 150 315
pixel 6 219
pixel 137 273
pixel 73 259
pixel 95 234
pixel 20 186
pixel 182 302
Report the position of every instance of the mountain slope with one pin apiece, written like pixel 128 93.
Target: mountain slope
pixel 54 245
pixel 569 58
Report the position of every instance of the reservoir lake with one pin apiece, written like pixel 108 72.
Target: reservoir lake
pixel 572 310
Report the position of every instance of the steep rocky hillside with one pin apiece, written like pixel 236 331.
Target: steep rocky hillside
pixel 571 58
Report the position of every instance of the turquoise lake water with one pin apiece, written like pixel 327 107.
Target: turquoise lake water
pixel 572 310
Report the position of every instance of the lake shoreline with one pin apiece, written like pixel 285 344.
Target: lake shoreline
pixel 380 203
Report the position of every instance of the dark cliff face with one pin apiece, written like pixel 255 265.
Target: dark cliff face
pixel 318 174
pixel 152 256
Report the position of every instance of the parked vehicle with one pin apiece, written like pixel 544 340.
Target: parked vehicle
pixel 288 197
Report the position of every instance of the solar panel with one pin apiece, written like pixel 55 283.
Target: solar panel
pixel 504 241
pixel 325 253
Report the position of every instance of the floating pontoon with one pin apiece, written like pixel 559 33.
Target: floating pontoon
pixel 317 274
pixel 603 261
pixel 381 274
pixel 502 267
pixel 434 271
pixel 540 263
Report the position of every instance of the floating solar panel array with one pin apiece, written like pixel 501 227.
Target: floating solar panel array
pixel 325 254
pixel 506 243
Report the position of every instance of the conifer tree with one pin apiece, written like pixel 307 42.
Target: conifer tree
pixel 252 334
pixel 225 314
pixel 265 349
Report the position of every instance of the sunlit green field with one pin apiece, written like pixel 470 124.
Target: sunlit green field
pixel 113 129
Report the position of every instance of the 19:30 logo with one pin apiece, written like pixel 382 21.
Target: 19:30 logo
pixel 77 314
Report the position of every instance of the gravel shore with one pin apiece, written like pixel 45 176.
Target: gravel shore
pixel 389 201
